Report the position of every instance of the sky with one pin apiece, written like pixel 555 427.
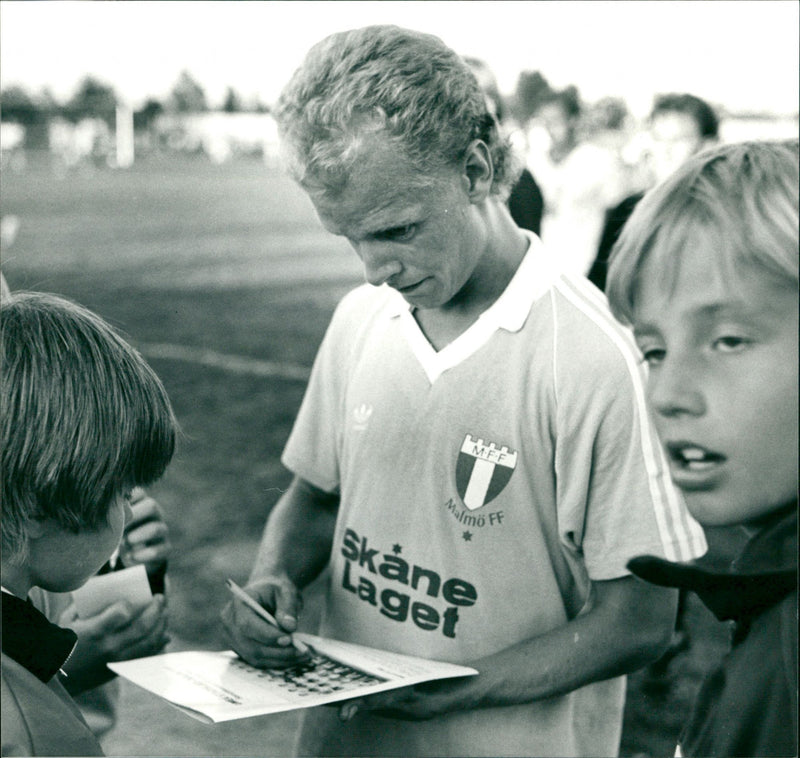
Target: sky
pixel 741 54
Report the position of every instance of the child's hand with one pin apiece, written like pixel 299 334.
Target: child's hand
pixel 116 634
pixel 146 538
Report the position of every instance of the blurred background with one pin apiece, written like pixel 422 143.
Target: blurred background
pixel 140 177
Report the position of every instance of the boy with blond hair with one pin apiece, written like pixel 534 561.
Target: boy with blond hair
pixel 706 273
pixel 84 421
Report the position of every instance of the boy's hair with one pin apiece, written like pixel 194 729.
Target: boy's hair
pixel 742 198
pixel 83 417
pixel 405 83
pixel 699 110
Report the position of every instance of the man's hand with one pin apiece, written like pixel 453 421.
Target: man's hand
pixel 257 641
pixel 116 634
pixel 417 703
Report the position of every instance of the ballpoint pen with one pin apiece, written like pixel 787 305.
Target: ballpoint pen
pixel 238 592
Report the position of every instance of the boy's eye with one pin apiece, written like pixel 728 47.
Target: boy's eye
pixel 653 355
pixel 729 344
pixel 398 233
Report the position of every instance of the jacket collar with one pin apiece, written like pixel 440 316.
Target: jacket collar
pixel 763 574
pixel 32 641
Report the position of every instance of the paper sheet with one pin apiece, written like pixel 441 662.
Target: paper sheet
pixel 219 686
pixel 100 591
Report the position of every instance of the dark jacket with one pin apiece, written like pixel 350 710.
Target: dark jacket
pixel 38 716
pixel 526 203
pixel 747 706
pixel 613 222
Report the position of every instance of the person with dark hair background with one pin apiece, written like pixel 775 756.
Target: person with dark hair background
pixel 680 125
pixel 579 178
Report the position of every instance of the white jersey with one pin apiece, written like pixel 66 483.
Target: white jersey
pixel 482 488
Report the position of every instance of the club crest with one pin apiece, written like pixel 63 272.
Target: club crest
pixel 482 471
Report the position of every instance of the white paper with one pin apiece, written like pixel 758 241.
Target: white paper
pixel 129 584
pixel 219 686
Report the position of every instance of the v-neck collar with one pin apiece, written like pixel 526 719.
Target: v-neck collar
pixel 531 280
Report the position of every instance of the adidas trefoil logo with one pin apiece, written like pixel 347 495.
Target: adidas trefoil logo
pixel 361 414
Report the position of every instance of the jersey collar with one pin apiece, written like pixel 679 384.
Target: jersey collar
pixel 509 312
pixel 531 280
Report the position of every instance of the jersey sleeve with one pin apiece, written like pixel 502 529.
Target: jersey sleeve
pixel 313 448
pixel 615 496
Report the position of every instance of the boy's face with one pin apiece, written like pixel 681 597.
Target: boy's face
pixel 723 362
pixel 62 561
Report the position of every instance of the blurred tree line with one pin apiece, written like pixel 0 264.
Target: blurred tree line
pixel 94 98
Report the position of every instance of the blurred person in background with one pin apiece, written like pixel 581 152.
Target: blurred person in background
pixel 578 177
pixel 525 201
pixel 457 459
pixel 679 125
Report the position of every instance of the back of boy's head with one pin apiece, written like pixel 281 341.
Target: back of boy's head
pixel 83 417
pixel 741 198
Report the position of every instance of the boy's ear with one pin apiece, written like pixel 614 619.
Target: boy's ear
pixel 35 529
pixel 478 171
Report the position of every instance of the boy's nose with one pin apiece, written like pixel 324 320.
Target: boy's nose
pixel 673 390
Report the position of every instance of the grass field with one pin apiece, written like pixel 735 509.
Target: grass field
pixel 222 275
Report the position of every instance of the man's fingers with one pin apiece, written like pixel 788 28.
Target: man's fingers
pixel 288 603
pixel 349 709
pixel 255 640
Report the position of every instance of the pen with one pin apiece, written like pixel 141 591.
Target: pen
pixel 262 612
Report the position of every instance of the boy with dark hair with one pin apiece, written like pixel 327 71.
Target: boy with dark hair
pixel 84 421
pixel 706 272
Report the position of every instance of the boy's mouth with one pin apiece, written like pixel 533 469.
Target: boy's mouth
pixel 693 457
pixel 693 466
